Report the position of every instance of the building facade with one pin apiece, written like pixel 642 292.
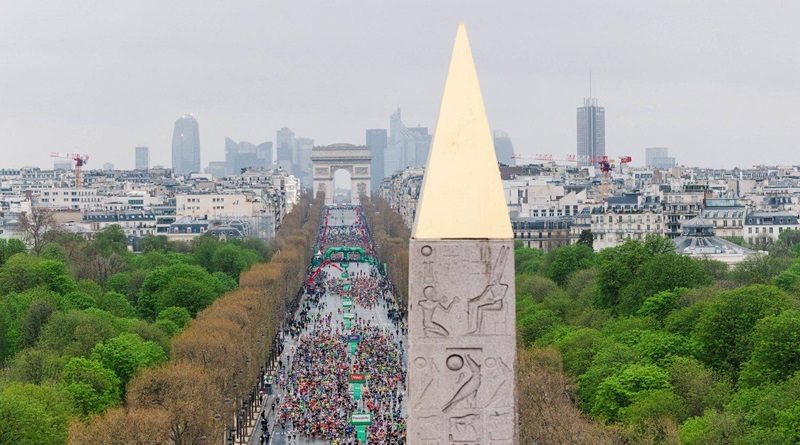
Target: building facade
pixel 762 228
pixel 726 216
pixel 544 233
pixel 625 217
pixel 680 207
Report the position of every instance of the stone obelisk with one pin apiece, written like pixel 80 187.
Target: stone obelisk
pixel 461 314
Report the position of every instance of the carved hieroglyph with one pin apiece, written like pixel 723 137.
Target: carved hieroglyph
pixel 462 343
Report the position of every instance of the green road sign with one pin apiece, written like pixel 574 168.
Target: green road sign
pixel 361 419
pixel 347 302
pixel 361 433
pixel 349 316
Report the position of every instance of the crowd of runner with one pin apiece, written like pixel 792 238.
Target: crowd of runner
pixel 316 399
pixel 380 359
pixel 335 232
pixel 317 403
pixel 366 289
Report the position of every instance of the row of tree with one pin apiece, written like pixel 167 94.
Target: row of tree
pixel 391 236
pixel 216 360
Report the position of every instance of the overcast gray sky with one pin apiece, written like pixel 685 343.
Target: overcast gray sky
pixel 715 81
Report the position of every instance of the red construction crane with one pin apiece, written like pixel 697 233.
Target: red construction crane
pixel 79 159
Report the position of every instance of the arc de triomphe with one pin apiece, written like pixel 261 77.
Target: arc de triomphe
pixel 328 159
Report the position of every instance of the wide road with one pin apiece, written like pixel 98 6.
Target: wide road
pixel 312 400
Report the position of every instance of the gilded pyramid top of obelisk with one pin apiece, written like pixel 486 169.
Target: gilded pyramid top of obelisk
pixel 462 193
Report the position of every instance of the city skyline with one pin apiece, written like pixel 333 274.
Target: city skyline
pixel 723 81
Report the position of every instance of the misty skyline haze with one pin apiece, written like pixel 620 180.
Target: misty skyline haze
pixel 715 82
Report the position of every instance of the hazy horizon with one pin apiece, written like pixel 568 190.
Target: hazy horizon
pixel 715 81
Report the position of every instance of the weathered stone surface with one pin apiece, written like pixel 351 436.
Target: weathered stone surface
pixel 462 343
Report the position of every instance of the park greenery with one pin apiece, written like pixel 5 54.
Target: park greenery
pixel 213 361
pixel 639 345
pixel 79 319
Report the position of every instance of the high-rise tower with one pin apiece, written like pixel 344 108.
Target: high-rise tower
pixel 377 141
pixel 186 146
pixel 286 146
pixel 503 148
pixel 142 158
pixel 591 132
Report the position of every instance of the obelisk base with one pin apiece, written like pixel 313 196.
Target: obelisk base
pixel 462 343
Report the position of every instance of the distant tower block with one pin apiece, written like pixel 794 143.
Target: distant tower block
pixel 462 338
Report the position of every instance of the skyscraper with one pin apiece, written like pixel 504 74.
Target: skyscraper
pixel 591 132
pixel 658 157
pixel 503 148
pixel 285 146
pixel 142 158
pixel 377 141
pixel 303 165
pixel 407 147
pixel 421 143
pixel 186 146
pixel 242 155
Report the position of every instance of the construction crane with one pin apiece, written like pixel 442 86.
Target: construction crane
pixel 571 158
pixel 79 159
pixel 606 166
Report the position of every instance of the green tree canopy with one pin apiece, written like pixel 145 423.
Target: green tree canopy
pixel 33 415
pixel 527 261
pixel 178 315
pixel 623 388
pixel 126 353
pixel 776 349
pixel 659 273
pixel 9 248
pixel 93 388
pixel 562 262
pixel 111 240
pixel 116 304
pixel 174 286
pixel 75 332
pixel 725 326
pixel 232 260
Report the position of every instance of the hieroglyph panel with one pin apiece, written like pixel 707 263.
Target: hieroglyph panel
pixel 462 343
